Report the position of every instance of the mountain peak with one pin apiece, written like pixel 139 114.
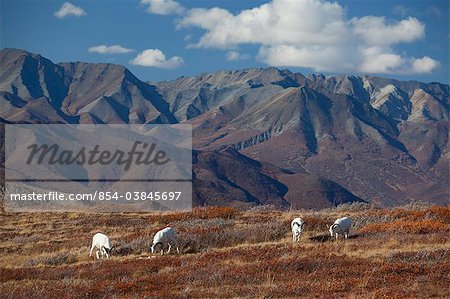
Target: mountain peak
pixel 13 52
pixel 76 91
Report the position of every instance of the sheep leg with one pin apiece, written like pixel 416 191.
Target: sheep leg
pixel 92 248
pixel 96 254
pixel 170 246
pixel 105 252
pixel 176 246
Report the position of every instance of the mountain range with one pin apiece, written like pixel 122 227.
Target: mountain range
pixel 262 135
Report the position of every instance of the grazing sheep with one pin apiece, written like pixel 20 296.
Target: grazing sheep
pixel 297 228
pixel 341 227
pixel 103 245
pixel 165 236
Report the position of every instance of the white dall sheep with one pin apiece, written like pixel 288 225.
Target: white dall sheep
pixel 341 227
pixel 102 244
pixel 297 228
pixel 163 237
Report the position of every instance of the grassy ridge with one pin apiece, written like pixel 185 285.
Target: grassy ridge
pixel 402 252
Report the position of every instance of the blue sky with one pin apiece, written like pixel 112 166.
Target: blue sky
pixel 166 39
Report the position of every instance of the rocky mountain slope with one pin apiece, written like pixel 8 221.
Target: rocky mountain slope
pixel 262 136
pixel 382 139
pixel 33 89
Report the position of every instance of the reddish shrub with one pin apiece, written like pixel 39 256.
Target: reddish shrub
pixel 413 227
pixel 316 223
pixel 442 213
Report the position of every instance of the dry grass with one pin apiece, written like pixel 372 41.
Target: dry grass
pixel 410 226
pixel 402 252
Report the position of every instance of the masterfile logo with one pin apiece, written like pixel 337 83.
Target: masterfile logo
pixel 148 155
pixel 98 167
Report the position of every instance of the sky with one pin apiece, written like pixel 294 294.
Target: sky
pixel 165 39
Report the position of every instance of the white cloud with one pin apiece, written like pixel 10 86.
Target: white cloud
pixel 235 55
pixel 280 22
pixel 163 7
pixel 375 31
pixel 156 58
pixel 104 49
pixel 319 58
pixel 312 33
pixel 68 9
pixel 378 61
pixel 424 65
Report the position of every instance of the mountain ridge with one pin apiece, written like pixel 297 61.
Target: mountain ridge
pixel 381 140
